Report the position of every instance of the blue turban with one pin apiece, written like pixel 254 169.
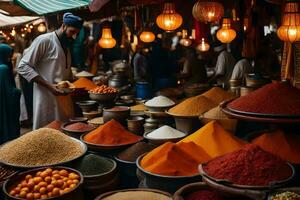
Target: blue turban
pixel 72 20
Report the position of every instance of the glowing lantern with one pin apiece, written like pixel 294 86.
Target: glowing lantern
pixel 203 46
pixel 13 32
pixel 169 20
pixel 147 36
pixel 107 41
pixel 289 31
pixel 41 28
pixel 185 41
pixel 208 11
pixel 226 34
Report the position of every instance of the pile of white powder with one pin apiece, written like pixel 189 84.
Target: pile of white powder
pixel 165 132
pixel 160 101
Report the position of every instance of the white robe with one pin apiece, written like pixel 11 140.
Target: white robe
pixel 46 57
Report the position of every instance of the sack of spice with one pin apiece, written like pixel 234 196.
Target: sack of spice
pixel 215 140
pixel 284 145
pixel 193 106
pixel 249 166
pixel 111 133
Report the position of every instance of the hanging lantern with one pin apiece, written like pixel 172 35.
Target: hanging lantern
pixel 208 11
pixel 107 41
pixel 41 28
pixel 203 46
pixel 169 20
pixel 226 34
pixel 147 36
pixel 13 32
pixel 289 31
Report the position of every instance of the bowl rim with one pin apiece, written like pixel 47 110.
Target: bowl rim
pixel 82 144
pixel 92 102
pixel 103 145
pixel 101 196
pixel 70 131
pixel 116 157
pixel 108 109
pixel 114 167
pixel 4 187
pixel 73 119
pixel 158 175
pixel 166 107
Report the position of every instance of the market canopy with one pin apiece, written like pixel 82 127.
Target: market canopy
pixel 43 7
pixel 12 21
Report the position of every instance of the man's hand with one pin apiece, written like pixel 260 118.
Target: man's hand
pixel 56 91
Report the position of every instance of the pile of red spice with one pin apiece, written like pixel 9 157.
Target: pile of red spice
pixel 118 108
pixel 54 125
pixel 203 195
pixel 79 126
pixel 111 133
pixel 249 166
pixel 275 98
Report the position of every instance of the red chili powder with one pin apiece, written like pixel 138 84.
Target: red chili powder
pixel 203 195
pixel 79 126
pixel 54 125
pixel 249 166
pixel 273 98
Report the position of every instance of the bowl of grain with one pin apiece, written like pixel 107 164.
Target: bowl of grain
pixel 136 194
pixel 42 147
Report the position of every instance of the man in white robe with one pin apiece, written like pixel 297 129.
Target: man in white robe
pixel 47 62
pixel 224 66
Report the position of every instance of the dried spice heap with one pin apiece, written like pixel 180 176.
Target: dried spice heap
pixel 217 95
pixel 44 146
pixel 275 98
pixel 285 146
pixel 203 195
pixel 249 166
pixel 111 133
pixel 79 126
pixel 193 106
pixel 84 83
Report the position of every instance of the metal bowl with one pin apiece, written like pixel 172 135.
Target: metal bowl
pixel 102 97
pixel 127 97
pixel 75 134
pixel 87 106
pixel 165 183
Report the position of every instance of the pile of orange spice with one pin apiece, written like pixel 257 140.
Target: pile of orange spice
pixel 111 133
pixel 183 158
pixel 84 83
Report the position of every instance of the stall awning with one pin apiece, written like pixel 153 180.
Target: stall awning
pixel 43 7
pixel 13 21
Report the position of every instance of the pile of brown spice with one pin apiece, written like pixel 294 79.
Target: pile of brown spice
pixel 79 126
pixel 44 146
pixel 215 113
pixel 218 95
pixel 193 106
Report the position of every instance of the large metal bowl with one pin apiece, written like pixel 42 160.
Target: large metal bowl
pixel 87 106
pixel 102 97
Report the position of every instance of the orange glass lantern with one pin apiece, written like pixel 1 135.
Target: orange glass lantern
pixel 203 46
pixel 107 41
pixel 208 11
pixel 169 19
pixel 289 31
pixel 147 36
pixel 226 34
